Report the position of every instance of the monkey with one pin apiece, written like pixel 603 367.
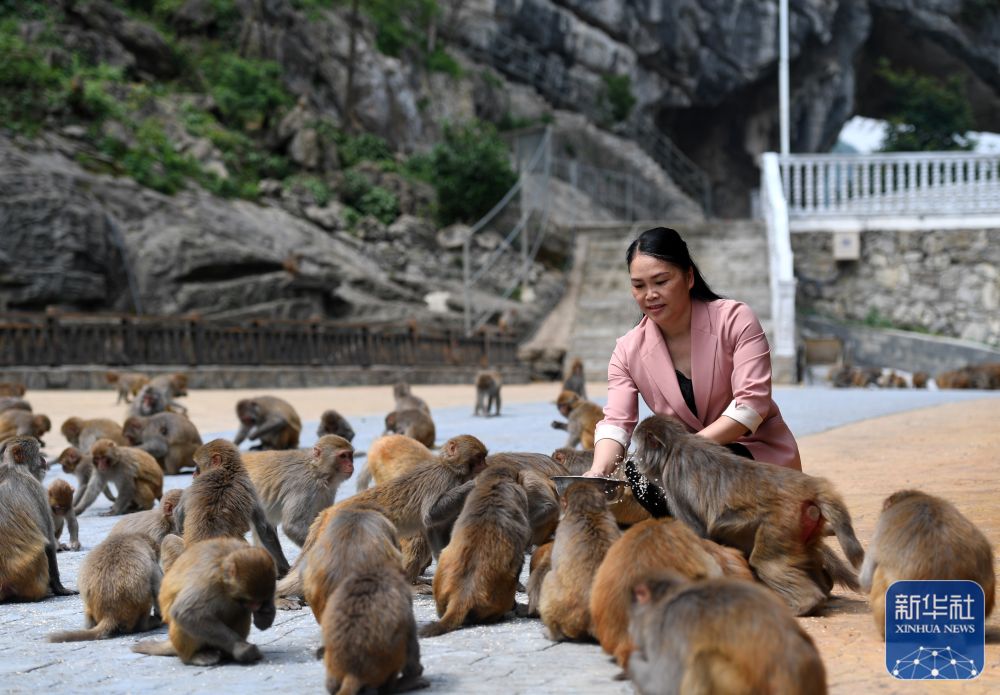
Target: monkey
pixel 774 515
pixel 37 466
pixel 390 456
pixel 119 583
pixel 127 383
pixel 269 419
pixel 920 379
pixel 61 506
pixel 332 422
pixel 208 596
pixel 626 509
pixel 172 386
pixel 14 403
pixel 650 547
pixel 583 537
pixel 575 381
pixel 29 569
pixel 83 433
pixel 22 423
pixel 222 502
pixel 575 461
pixel 488 385
pixel 541 564
pixel 920 536
pixel 153 523
pixel 406 400
pixel 582 418
pixel 477 572
pixel 10 388
pixel 973 376
pixel 406 499
pixel 136 475
pixel 294 486
pixel 748 642
pixel 540 463
pixel 171 548
pixel 170 437
pixel 81 465
pixel 412 423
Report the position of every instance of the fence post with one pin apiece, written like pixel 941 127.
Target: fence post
pixel 486 348
pixel 127 341
pixel 412 336
pixel 195 340
pixel 366 347
pixel 52 329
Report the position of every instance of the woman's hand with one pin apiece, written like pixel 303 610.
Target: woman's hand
pixel 607 455
pixel 592 473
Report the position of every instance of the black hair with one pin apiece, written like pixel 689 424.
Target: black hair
pixel 666 244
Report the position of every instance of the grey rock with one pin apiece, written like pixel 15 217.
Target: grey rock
pixel 330 216
pixel 304 148
pixel 453 236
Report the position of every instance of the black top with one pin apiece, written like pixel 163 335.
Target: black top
pixel 687 390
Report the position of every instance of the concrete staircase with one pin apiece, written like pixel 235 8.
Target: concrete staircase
pixel 732 257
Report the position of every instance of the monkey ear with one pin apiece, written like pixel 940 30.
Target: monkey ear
pixel 641 593
pixel 216 459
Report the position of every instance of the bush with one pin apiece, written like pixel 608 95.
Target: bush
pixel 247 92
pixel 315 185
pixel 28 84
pixel 441 61
pixel 470 171
pixel 617 96
pixel 364 147
pixel 930 114
pixel 153 161
pixel 379 203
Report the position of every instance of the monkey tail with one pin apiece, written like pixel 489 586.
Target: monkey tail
pixel 452 619
pixel 291 583
pixel 155 647
pixel 350 685
pixel 839 571
pixel 834 511
pixel 102 630
pixel 364 478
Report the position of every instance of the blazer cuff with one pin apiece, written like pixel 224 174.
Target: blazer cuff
pixel 745 415
pixel 612 432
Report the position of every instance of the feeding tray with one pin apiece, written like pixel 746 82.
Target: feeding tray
pixel 614 489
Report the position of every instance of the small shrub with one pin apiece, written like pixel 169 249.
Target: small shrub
pixel 364 147
pixel 618 97
pixel 314 185
pixel 154 162
pixel 379 203
pixel 441 61
pixel 248 93
pixel 930 114
pixel 28 84
pixel 353 188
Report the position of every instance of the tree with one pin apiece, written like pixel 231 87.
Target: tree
pixel 930 114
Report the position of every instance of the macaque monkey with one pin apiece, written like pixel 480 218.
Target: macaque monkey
pixel 80 464
pixel 222 502
pixel 920 536
pixel 747 642
pixel 14 403
pixel 406 400
pixel 488 385
pixel 626 509
pixel 295 486
pixel 575 381
pixel 171 438
pixel 774 515
pixel 647 549
pixel 412 423
pixel 28 566
pixel 582 418
pixel 973 376
pixel 119 582
pixel 22 423
pixel 541 564
pixel 575 461
pixel 172 386
pixel 136 475
pixel 332 422
pixel 540 463
pixel 83 433
pixel 920 380
pixel 390 456
pixel 477 573
pixel 407 499
pixel 127 383
pixel 10 388
pixel 269 419
pixel 583 537
pixel 208 596
pixel 156 524
pixel 37 466
pixel 149 401
pixel 61 505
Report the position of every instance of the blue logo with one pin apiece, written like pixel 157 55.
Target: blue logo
pixel 935 630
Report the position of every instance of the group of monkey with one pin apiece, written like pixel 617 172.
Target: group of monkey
pixel 703 601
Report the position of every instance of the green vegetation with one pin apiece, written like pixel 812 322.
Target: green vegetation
pixel 930 115
pixel 247 92
pixel 874 319
pixel 617 97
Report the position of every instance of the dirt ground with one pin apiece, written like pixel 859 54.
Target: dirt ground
pixel 951 450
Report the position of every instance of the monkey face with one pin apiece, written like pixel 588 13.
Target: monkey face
pixel 345 461
pixel 71 429
pixel 69 459
pixel 103 463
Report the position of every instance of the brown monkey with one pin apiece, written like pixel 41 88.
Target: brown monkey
pixel 582 418
pixel 920 536
pixel 156 524
pixel 127 383
pixel 14 403
pixel 332 422
pixel 583 537
pixel 222 502
pixel 390 456
pixel 477 573
pixel 10 388
pixel 208 596
pixel 541 564
pixel 37 466
pixel 23 423
pixel 149 401
pixel 119 582
pixel 294 486
pixel 83 433
pixel 407 499
pixel 61 505
pixel 488 383
pixel 412 423
pixel 649 548
pixel 575 381
pixel 269 419
pixel 171 548
pixel 81 465
pixel 28 566
pixel 576 462
pixel 774 515
pixel 172 386
pixel 920 379
pixel 626 509
pixel 540 463
pixel 136 476
pixel 171 438
pixel 406 400
pixel 747 642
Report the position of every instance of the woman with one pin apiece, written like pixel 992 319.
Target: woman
pixel 694 356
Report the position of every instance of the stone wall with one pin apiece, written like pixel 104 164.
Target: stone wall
pixel 943 282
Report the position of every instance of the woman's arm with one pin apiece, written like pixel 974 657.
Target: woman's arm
pixel 723 431
pixel 608 454
pixel 621 414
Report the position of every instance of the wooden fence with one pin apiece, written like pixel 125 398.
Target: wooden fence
pixel 52 339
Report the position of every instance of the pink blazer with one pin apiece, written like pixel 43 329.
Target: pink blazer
pixel 730 372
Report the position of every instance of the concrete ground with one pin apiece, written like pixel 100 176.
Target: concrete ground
pixel 869 443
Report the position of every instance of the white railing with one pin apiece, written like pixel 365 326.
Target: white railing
pixel 941 183
pixel 779 246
